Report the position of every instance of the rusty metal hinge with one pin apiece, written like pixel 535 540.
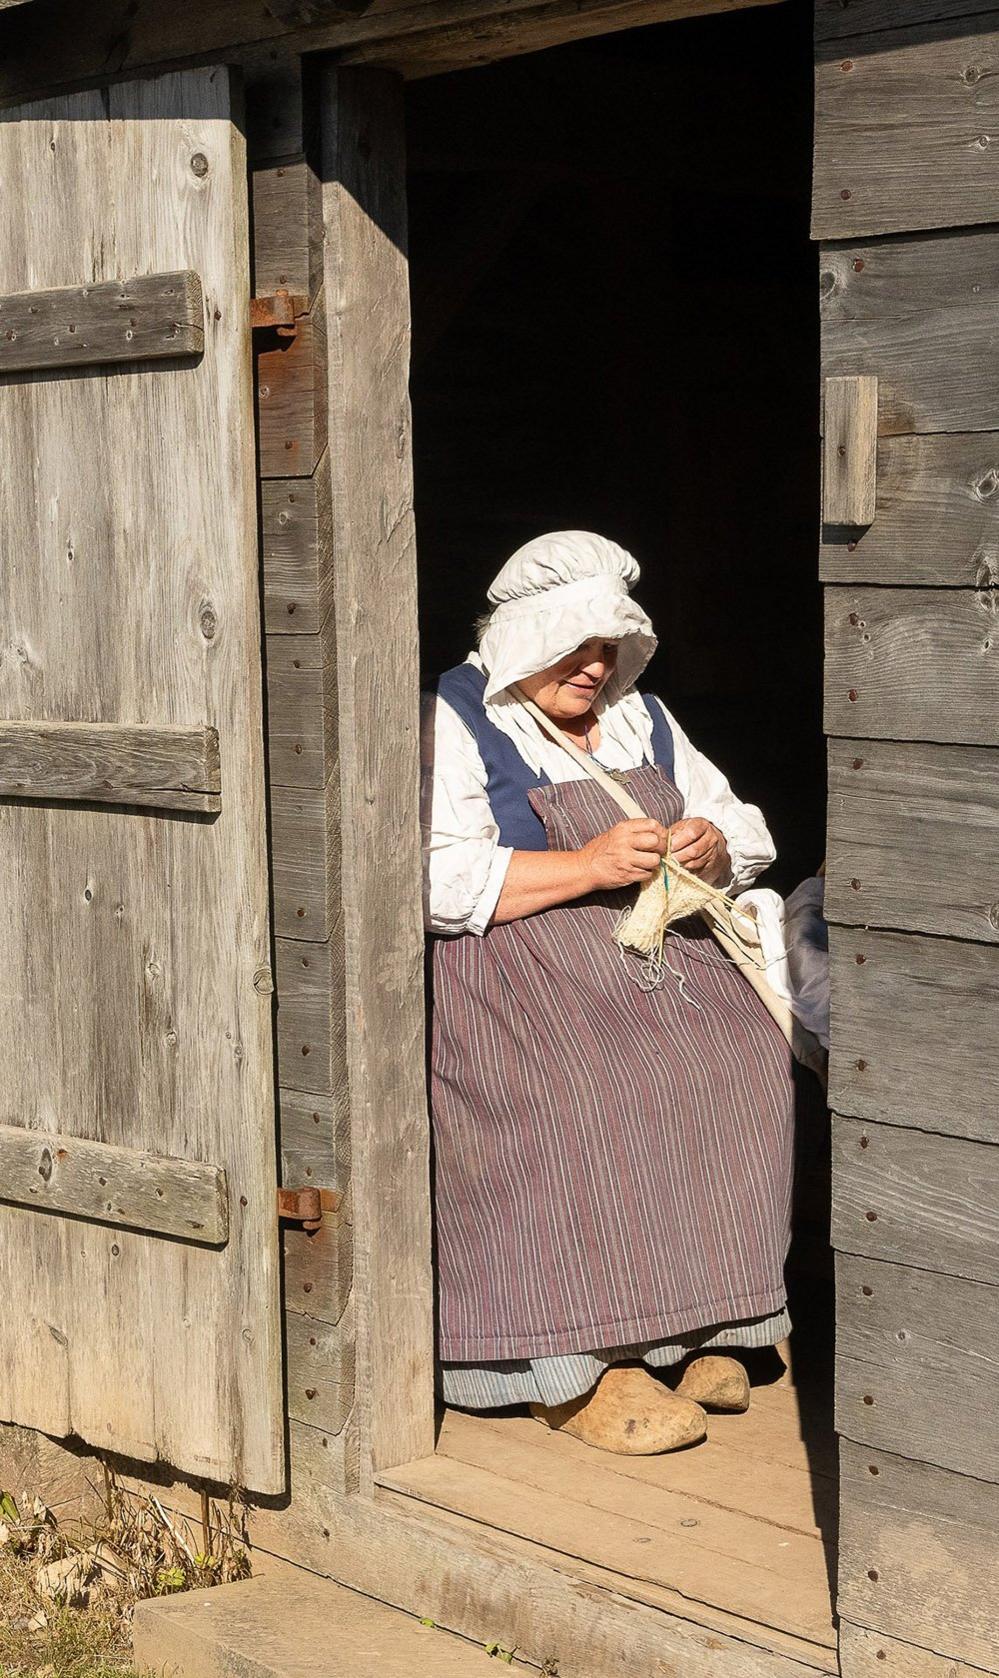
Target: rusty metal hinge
pixel 278 313
pixel 306 1206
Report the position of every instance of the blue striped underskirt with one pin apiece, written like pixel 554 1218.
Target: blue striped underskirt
pixel 555 1380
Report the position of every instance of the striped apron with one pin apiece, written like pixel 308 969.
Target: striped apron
pixel 612 1165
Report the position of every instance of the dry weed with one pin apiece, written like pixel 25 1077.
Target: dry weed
pixel 67 1589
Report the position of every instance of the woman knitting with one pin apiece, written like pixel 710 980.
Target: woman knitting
pixel 613 1158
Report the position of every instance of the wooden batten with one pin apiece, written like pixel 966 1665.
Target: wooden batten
pixel 111 763
pixel 850 445
pixel 935 1198
pixel 155 317
pixel 911 1024
pixel 913 838
pixel 114 1185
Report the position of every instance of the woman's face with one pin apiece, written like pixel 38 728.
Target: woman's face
pixel 569 688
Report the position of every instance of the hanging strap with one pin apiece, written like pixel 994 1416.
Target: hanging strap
pixel 717 911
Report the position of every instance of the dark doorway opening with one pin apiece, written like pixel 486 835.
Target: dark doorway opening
pixel 615 328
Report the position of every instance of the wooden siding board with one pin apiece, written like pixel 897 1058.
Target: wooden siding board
pixel 296 523
pixel 321 1369
pixel 913 838
pixel 319 1265
pixel 904 130
pixel 919 314
pixel 913 664
pixel 302 708
pixel 936 1198
pixel 310 1013
pixel 917 1552
pixel 937 521
pixel 913 1031
pixel 287 229
pixel 917 1364
pixel 150 932
pixel 291 399
pixel 305 844
pixel 315 1139
pixel 870 1654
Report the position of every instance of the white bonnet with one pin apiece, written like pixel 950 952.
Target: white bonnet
pixel 555 593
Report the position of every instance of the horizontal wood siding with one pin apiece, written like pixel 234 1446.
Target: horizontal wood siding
pixel 918 1551
pixel 917 1364
pixel 905 128
pixel 913 1023
pixel 935 1199
pixel 937 518
pixel 913 838
pixel 913 664
pixel 918 314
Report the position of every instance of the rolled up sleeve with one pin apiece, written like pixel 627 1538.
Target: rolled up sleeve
pixel 464 864
pixel 707 793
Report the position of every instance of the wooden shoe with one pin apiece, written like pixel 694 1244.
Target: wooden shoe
pixel 717 1383
pixel 628 1412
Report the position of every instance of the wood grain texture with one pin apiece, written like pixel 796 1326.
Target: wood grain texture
pixel 936 1198
pixel 321 1369
pixel 319 1265
pixel 870 1654
pixel 116 36
pixel 296 524
pixel 310 1015
pixel 913 664
pixel 936 516
pixel 836 18
pixel 908 1379
pixel 918 314
pixel 917 1554
pixel 912 1031
pixel 291 399
pixel 315 1139
pixel 287 229
pixel 155 317
pixel 114 1185
pixel 130 588
pixel 366 293
pixel 849 451
pixel 305 860
pixel 904 129
pixel 302 708
pixel 913 838
pixel 111 763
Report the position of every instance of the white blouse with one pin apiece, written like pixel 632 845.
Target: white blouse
pixel 465 864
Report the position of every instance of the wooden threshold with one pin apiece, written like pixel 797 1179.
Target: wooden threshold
pixel 726 1535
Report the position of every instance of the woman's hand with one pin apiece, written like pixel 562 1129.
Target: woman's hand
pixel 698 846
pixel 628 853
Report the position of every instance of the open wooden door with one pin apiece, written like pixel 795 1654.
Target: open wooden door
pixel 138 1239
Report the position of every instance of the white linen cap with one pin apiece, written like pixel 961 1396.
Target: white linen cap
pixel 555 593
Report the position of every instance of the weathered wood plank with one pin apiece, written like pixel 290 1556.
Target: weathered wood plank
pixel 903 131
pixel 114 1185
pixel 310 1009
pixel 292 401
pixel 913 838
pixel 130 577
pixel 917 1364
pixel 917 1554
pixel 870 1654
pixel 287 229
pixel 367 296
pixel 912 1031
pixel 319 1265
pixel 936 516
pixel 305 860
pixel 168 768
pixel 321 1369
pixel 302 708
pixel 296 519
pixel 913 664
pixel 315 1139
pixel 918 313
pixel 936 1198
pixel 154 317
pixel 849 457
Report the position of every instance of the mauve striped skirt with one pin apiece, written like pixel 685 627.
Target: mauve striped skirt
pixel 612 1165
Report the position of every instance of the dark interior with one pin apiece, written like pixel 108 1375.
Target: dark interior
pixel 615 328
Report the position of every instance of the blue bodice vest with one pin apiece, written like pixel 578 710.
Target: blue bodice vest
pixel 509 778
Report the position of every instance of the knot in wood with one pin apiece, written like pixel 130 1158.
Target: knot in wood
pixel 199 165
